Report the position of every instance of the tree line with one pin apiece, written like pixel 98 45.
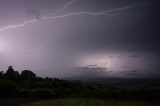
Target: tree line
pixel 11 74
pixel 27 84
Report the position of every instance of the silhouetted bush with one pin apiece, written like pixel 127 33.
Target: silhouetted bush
pixel 24 92
pixel 7 88
pixel 27 75
pixel 26 84
pixel 1 74
pixel 42 93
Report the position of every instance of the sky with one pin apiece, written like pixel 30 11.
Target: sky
pixel 81 38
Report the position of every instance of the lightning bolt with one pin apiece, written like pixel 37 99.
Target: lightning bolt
pixel 35 20
pixel 20 25
pixel 62 9
pixel 108 12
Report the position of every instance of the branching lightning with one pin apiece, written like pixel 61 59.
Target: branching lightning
pixel 108 12
pixel 60 10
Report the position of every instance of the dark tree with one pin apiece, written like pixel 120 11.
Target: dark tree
pixel 11 74
pixel 1 74
pixel 27 74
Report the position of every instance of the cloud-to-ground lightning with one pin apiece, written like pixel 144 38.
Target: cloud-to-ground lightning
pixel 108 12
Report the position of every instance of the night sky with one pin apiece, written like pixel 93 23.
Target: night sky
pixel 69 38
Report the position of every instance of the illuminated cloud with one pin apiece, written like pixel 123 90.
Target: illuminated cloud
pixel 61 35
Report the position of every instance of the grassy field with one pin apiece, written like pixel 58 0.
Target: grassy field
pixel 88 102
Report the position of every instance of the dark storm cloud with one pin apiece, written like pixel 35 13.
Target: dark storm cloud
pixel 134 56
pixel 136 75
pixel 125 66
pixel 139 31
pixel 88 72
pixel 143 75
pixel 119 36
pixel 92 65
pixel 129 71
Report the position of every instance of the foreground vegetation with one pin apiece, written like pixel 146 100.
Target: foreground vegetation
pixel 27 85
pixel 89 102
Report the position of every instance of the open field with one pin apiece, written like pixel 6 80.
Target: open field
pixel 89 102
pixel 14 101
